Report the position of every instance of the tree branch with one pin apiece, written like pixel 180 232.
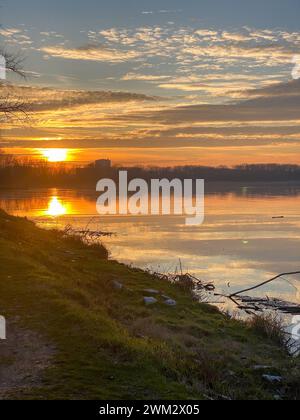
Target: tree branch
pixel 264 283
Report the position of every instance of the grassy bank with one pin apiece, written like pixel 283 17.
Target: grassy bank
pixel 72 334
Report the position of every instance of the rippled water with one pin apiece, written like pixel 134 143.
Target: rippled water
pixel 239 244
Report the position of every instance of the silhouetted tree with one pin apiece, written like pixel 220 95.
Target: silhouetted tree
pixel 9 103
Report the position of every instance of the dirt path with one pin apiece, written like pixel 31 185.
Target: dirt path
pixel 23 358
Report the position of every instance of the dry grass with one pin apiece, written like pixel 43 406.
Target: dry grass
pixel 108 344
pixel 271 326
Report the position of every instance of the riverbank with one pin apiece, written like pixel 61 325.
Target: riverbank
pixel 73 332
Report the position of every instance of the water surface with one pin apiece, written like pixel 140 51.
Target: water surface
pixel 240 243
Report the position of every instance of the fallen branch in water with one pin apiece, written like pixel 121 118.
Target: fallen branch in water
pixel 258 304
pixel 254 304
pixel 264 283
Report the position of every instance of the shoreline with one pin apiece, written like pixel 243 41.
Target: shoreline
pixel 100 341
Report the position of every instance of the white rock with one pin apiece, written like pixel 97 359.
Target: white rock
pixel 261 367
pixel 273 379
pixel 150 300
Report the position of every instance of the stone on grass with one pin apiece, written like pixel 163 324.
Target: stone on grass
pixel 170 302
pixel 150 300
pixel 261 367
pixel 117 285
pixel 273 379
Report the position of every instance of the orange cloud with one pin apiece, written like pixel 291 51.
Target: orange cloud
pixel 91 53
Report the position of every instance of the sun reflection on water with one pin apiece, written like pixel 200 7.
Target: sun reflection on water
pixel 56 207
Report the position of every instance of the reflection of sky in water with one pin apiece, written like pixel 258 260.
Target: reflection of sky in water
pixel 239 244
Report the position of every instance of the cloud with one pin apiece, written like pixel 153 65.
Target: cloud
pixel 189 51
pixel 171 51
pixel 162 11
pixel 91 52
pixel 9 32
pixel 285 96
pixel 206 32
pixel 47 99
pixel 211 70
pixel 291 88
pixel 272 114
pixel 144 77
pixel 236 36
pixel 268 53
pixel 228 84
pixel 16 37
pixel 161 132
pixel 266 35
pixel 51 34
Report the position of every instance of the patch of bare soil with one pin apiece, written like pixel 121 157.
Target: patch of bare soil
pixel 23 358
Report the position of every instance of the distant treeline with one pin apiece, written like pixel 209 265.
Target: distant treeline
pixel 16 173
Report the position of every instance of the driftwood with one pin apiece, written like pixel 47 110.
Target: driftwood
pixel 249 304
pixel 259 304
pixel 254 304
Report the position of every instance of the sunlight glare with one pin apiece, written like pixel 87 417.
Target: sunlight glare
pixel 56 208
pixel 55 155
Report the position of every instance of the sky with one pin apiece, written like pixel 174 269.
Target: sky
pixel 212 82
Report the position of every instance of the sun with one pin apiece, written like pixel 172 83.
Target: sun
pixel 55 155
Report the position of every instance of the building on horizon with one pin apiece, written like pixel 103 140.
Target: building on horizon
pixel 102 164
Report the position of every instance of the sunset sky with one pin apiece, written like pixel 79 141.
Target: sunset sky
pixel 162 82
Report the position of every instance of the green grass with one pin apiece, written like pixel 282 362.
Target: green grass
pixel 108 344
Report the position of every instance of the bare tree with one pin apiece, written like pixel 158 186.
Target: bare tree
pixel 6 159
pixel 9 103
pixel 14 62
